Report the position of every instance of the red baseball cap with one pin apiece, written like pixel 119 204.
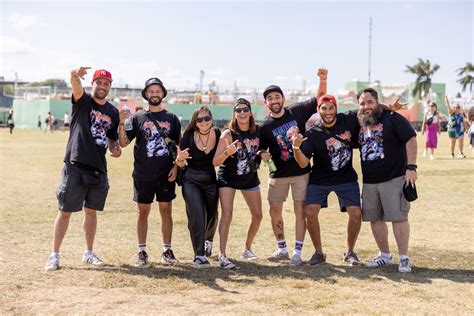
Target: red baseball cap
pixel 327 98
pixel 102 73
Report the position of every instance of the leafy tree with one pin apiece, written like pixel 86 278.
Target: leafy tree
pixel 424 72
pixel 466 76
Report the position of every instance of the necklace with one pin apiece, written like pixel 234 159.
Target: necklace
pixel 204 146
pixel 204 133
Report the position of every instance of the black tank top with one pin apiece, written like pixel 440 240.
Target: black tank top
pixel 200 160
pixel 235 172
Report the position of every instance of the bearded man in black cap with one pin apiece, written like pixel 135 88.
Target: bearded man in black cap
pixel 276 132
pixel 156 132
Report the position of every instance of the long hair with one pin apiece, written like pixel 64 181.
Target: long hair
pixel 234 125
pixel 192 123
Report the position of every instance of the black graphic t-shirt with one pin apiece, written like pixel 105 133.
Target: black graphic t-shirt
pixel 274 135
pixel 91 125
pixel 235 172
pixel 200 160
pixel 382 148
pixel 332 158
pixel 153 153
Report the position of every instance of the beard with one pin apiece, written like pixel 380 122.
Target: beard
pixel 99 95
pixel 371 118
pixel 276 108
pixel 155 101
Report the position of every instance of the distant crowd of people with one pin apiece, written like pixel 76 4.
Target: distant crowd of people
pixel 307 146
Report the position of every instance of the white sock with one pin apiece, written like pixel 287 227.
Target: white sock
pixel 142 247
pixel 386 255
pixel 166 247
pixel 282 246
pixel 298 248
pixel 404 257
pixel 55 253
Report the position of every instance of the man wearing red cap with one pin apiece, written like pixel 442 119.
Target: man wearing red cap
pixel 84 183
pixel 329 142
pixel 276 131
pixel 156 133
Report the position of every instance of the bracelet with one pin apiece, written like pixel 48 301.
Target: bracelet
pixel 177 160
pixel 295 148
pixel 121 124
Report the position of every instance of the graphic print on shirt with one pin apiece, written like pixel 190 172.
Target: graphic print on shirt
pixel 100 124
pixel 339 152
pixel 371 142
pixel 155 144
pixel 242 160
pixel 282 135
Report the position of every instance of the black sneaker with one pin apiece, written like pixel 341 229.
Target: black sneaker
pixel 350 258
pixel 168 257
pixel 317 258
pixel 142 260
pixel 201 263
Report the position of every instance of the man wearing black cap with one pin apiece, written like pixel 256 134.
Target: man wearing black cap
pixel 84 183
pixel 276 131
pixel 157 132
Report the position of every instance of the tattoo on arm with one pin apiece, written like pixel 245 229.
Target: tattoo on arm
pixel 113 145
pixel 123 139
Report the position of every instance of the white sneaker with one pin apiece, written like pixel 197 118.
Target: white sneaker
pixel 295 261
pixel 432 157
pixel 91 258
pixel 224 263
pixel 279 256
pixel 461 155
pixel 405 265
pixel 378 261
pixel 249 255
pixel 53 263
pixel 425 153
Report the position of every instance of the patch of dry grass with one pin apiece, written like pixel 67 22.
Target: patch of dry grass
pixel 441 247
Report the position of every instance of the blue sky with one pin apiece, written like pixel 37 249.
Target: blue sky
pixel 255 43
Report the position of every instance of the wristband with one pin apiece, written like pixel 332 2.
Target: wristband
pixel 412 167
pixel 295 148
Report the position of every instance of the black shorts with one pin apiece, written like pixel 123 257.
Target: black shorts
pixel 145 192
pixel 73 196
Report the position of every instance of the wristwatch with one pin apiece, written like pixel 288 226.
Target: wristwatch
pixel 411 167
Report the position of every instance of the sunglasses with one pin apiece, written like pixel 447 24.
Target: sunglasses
pixel 203 119
pixel 240 110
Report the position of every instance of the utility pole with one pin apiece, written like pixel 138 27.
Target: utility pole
pixel 370 47
pixel 201 78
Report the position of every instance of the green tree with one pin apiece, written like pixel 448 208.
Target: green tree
pixel 466 76
pixel 60 83
pixel 424 72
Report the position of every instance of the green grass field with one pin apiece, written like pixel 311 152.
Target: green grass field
pixel 441 247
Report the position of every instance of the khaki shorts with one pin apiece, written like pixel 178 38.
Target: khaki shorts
pixel 278 188
pixel 385 201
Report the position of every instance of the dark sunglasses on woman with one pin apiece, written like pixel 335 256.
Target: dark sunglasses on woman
pixel 204 118
pixel 240 110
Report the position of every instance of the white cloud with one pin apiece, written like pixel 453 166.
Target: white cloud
pixel 11 45
pixel 21 22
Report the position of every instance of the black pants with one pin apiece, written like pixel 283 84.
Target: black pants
pixel 201 196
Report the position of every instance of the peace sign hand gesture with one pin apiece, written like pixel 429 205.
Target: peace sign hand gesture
pixel 80 72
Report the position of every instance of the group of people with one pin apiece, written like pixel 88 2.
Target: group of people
pixel 457 126
pixel 283 140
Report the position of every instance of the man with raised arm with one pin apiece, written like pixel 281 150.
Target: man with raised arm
pixel 84 183
pixel 276 131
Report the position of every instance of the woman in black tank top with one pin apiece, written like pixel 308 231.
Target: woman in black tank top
pixel 199 186
pixel 238 161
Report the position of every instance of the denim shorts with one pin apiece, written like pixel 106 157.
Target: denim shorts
pixel 348 194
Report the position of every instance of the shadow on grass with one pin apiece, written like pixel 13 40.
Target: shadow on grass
pixel 249 273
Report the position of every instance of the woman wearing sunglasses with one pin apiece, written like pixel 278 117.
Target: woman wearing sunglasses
pixel 199 188
pixel 237 157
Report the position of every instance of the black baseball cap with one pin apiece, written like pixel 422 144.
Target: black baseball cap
pixel 272 88
pixel 151 81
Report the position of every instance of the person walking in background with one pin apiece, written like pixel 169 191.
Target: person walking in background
pixel 84 182
pixel 456 127
pixel 388 151
pixel 431 125
pixel 199 185
pixel 156 133
pixel 39 122
pixel 276 131
pixel 67 121
pixel 47 123
pixel 10 121
pixel 238 161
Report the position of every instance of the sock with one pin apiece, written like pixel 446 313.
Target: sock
pixel 298 248
pixel 282 246
pixel 54 253
pixel 386 255
pixel 404 257
pixel 142 247
pixel 202 258
pixel 166 247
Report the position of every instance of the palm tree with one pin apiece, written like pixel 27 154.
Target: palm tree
pixel 424 72
pixel 466 76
